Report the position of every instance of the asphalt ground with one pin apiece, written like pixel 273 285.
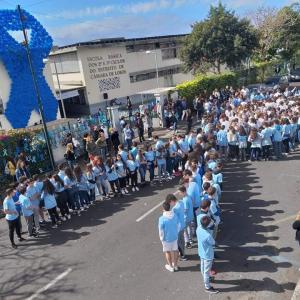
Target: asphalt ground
pixel 107 254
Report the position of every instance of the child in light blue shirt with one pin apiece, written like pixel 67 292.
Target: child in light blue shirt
pixel 112 176
pixel 179 211
pixel 168 228
pixel 161 163
pixel 50 202
pixel 27 209
pixel 132 168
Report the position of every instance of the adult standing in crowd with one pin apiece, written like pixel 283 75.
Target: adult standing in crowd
pixel 101 143
pixel 91 147
pixel 128 136
pixel 22 170
pixel 10 168
pixel 140 127
pixel 70 155
pixel 115 140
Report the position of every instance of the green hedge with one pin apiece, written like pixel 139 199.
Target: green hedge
pixel 205 84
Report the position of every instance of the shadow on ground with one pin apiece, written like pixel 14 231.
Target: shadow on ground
pixel 243 216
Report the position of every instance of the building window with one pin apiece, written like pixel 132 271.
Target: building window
pixel 168 53
pixel 65 63
pixel 141 47
pixel 168 45
pixel 151 75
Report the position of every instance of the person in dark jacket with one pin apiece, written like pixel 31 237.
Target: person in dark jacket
pixel 85 153
pixel 115 140
pixel 296 226
pixel 140 127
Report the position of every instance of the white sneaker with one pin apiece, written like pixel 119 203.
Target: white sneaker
pixel 64 218
pixel 133 189
pixel 136 188
pixel 85 206
pixel 175 268
pixel 169 268
pixel 126 191
pixel 68 217
pixel 123 192
pixel 70 210
pixel 81 208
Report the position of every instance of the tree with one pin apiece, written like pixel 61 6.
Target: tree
pixel 287 36
pixel 221 39
pixel 266 23
pixel 278 32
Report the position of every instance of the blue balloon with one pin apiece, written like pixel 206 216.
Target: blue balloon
pixel 22 98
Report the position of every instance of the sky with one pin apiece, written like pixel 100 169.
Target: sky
pixel 72 21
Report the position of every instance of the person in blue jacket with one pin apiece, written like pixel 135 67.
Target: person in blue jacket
pixel 50 202
pixel 168 228
pixel 193 191
pixel 27 210
pixel 112 176
pixel 206 245
pixel 12 216
pixel 188 216
pixel 178 209
pixel 277 139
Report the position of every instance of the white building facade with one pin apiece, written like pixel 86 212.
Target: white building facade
pixel 92 74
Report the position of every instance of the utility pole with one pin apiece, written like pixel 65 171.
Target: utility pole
pixel 39 100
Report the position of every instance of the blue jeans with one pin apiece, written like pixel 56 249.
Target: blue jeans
pixel 170 165
pixel 128 143
pixel 102 186
pixel 151 169
pixel 161 170
pixel 254 153
pixel 277 146
pixel 142 171
pixel 73 198
pixel 84 198
pixel 92 194
pixel 205 267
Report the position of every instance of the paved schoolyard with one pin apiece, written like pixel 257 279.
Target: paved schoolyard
pixel 106 254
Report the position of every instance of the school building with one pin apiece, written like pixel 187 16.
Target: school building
pixel 91 75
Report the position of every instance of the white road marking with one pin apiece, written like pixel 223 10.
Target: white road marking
pixel 49 285
pixel 283 220
pixel 149 212
pixel 289 175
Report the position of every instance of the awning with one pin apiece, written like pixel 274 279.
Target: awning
pixel 69 94
pixel 67 87
pixel 161 90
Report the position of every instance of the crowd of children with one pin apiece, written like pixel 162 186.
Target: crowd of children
pixel 235 127
pixel 193 211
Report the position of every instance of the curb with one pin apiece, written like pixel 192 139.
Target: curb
pixel 296 295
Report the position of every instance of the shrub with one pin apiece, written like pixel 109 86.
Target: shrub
pixel 205 84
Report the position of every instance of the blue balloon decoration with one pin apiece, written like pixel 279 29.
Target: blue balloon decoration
pixel 22 98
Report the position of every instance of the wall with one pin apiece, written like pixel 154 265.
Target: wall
pixel 105 71
pixel 116 81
